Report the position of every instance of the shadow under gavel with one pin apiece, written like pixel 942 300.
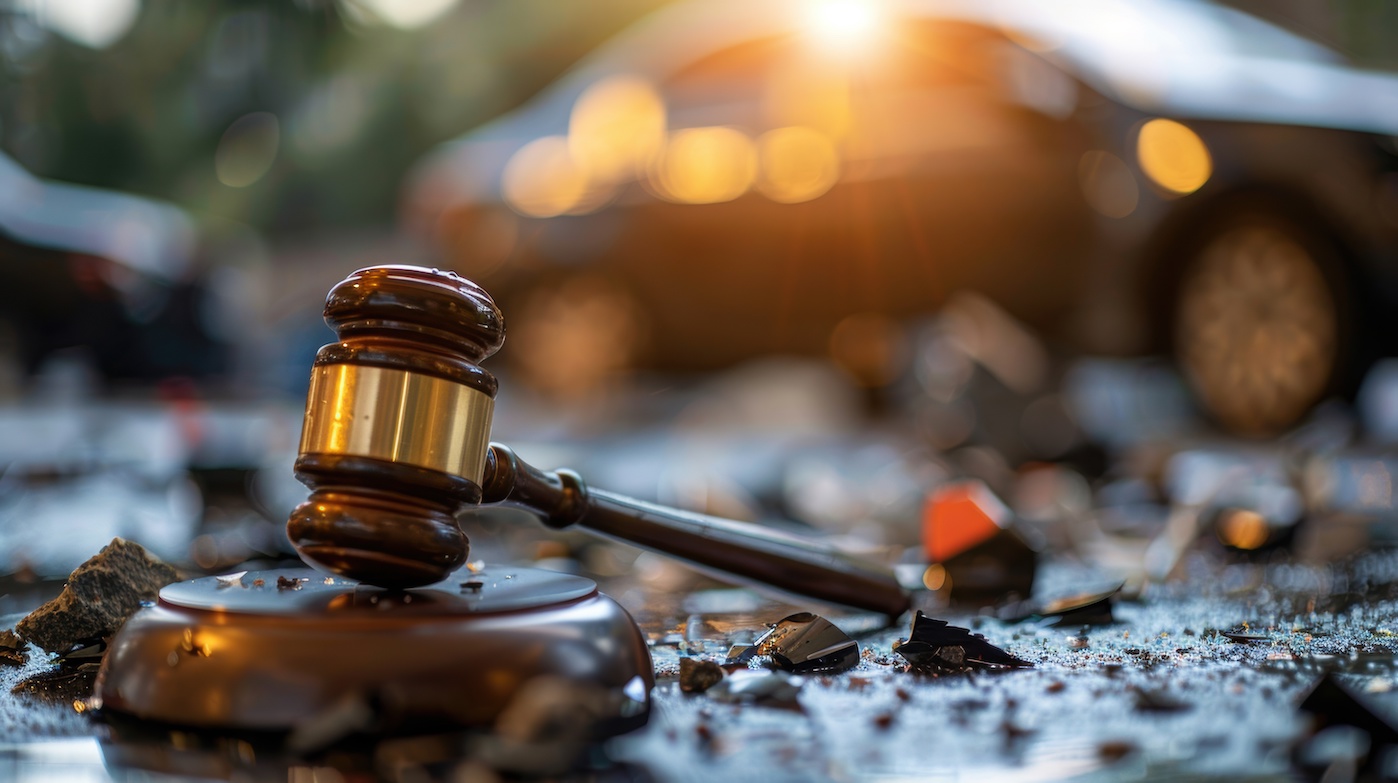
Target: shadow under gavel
pixel 396 444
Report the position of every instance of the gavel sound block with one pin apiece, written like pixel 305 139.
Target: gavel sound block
pixel 395 445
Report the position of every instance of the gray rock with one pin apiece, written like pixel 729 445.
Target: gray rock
pixel 98 598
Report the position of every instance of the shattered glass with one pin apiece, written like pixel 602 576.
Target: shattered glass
pixel 803 643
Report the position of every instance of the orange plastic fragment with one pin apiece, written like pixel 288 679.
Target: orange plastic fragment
pixel 959 516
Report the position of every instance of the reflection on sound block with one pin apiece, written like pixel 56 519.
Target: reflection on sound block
pixel 291 649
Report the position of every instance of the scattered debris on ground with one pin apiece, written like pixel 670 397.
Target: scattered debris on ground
pixel 12 652
pixel 768 689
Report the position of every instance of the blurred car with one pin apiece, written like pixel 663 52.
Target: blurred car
pixel 106 273
pixel 730 179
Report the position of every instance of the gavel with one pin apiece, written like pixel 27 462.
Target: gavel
pixel 396 444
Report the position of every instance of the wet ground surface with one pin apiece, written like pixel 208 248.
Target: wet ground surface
pixel 1218 635
pixel 1162 693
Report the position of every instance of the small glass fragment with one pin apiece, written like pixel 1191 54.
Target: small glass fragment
pixel 230 580
pixel 84 652
pixel 697 676
pixel 1242 637
pixel 933 645
pixel 1075 610
pixel 803 643
pixel 771 689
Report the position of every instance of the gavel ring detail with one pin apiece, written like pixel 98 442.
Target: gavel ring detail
pixel 396 443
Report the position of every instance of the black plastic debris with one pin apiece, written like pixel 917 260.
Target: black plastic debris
pixel 1148 700
pixel 548 727
pixel 12 651
pixel 803 643
pixel 697 676
pixel 100 594
pixel 1074 610
pixel 1333 702
pixel 935 646
pixel 1337 701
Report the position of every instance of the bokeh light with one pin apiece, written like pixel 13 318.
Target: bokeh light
pixel 330 118
pixel 248 149
pixel 1107 184
pixel 617 127
pixel 843 25
pixel 935 578
pixel 1243 529
pixel 542 179
pixel 706 166
pixel 95 24
pixel 404 14
pixel 797 164
pixel 1173 156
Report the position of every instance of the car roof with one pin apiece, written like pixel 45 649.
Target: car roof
pixel 1187 58
pixel 147 236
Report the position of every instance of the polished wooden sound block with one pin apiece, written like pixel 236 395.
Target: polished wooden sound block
pixel 277 650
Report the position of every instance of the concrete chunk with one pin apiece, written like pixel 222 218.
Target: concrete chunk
pixel 98 598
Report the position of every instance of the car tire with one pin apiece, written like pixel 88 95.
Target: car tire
pixel 1259 326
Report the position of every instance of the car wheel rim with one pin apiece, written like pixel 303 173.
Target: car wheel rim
pixel 1256 329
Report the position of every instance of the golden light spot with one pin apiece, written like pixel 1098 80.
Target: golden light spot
pixel 1243 529
pixel 1107 184
pixel 842 24
pixel 543 179
pixel 1173 156
pixel 706 166
pixel 617 127
pixel 870 347
pixel 935 578
pixel 797 164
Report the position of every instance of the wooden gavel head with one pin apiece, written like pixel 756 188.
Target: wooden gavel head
pixel 397 426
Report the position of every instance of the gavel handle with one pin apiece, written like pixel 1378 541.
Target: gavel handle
pixel 750 553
